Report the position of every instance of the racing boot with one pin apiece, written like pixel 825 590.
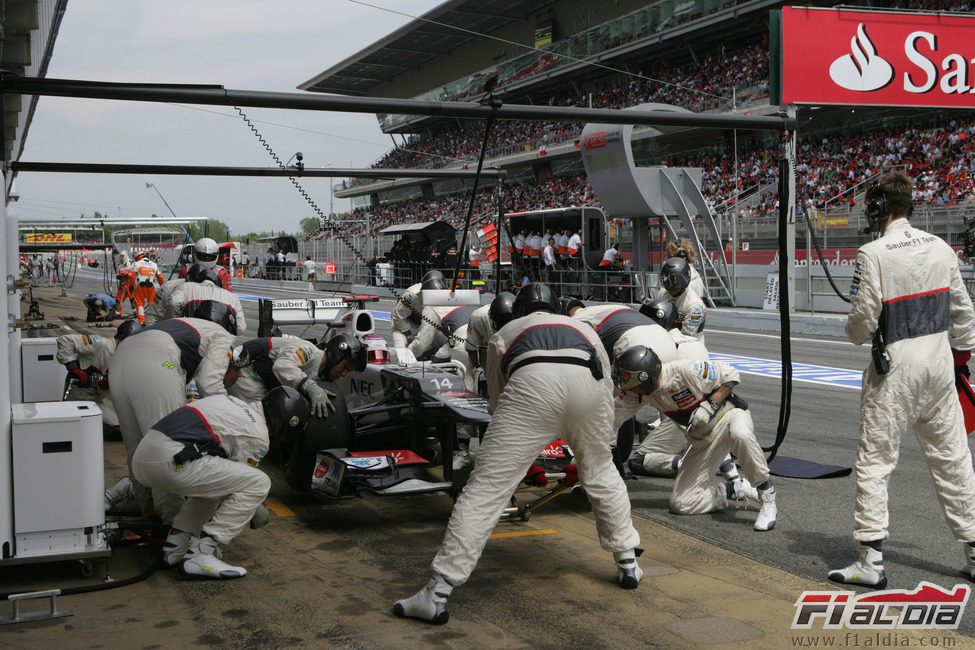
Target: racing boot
pixel 635 464
pixel 742 493
pixel 201 561
pixel 175 547
pixel 867 571
pixel 119 493
pixel 261 517
pixel 428 604
pixel 766 515
pixel 628 572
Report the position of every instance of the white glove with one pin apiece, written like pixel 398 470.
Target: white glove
pixel 319 397
pixel 700 419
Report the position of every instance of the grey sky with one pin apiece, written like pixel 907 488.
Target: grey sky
pixel 241 44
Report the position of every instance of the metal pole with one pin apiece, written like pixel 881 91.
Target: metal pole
pixel 217 170
pixel 218 95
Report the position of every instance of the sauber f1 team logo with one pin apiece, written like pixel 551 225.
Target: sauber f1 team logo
pixel 927 607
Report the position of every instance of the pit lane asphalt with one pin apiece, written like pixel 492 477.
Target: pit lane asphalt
pixel 812 535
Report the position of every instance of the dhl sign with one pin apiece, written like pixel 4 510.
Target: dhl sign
pixel 47 238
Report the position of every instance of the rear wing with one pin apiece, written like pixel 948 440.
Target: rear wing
pixel 347 313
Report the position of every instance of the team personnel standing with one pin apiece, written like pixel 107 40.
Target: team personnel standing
pixel 126 279
pixel 146 276
pixel 309 265
pixel 698 396
pixel 675 280
pixel 405 316
pixel 207 453
pixel 908 295
pixel 206 251
pixel 149 374
pixel 548 378
pixel 203 284
pixel 685 249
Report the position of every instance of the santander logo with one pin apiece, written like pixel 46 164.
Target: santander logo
pixel 863 69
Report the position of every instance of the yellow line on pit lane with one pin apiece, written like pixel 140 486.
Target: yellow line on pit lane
pixel 278 508
pixel 525 533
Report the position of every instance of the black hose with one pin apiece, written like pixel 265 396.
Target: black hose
pixel 819 253
pixel 70 591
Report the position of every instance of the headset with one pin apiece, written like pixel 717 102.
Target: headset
pixel 876 208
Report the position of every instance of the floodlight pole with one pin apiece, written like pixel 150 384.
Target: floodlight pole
pixel 185 232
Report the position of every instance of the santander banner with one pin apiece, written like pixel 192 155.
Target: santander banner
pixel 832 56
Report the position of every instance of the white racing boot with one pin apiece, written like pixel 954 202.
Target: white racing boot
pixel 428 604
pixel 867 571
pixel 119 493
pixel 628 572
pixel 175 547
pixel 201 561
pixel 741 493
pixel 766 515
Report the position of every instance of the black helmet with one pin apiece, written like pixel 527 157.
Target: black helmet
pixel 285 410
pixel 211 310
pixel 344 346
pixel 127 329
pixel 535 296
pixel 568 304
pixel 636 367
pixel 661 311
pixel 200 272
pixel 432 280
pixel 675 274
pixel 499 313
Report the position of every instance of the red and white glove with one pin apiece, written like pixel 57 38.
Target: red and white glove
pixel 571 474
pixel 75 371
pixel 536 476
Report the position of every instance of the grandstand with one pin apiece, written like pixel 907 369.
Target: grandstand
pixel 704 55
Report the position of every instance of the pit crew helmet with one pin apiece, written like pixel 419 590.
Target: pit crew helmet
pixel 500 311
pixel 432 280
pixel 285 411
pixel 127 329
pixel 675 275
pixel 533 297
pixel 213 311
pixel 205 251
pixel 637 367
pixel 340 347
pixel 661 311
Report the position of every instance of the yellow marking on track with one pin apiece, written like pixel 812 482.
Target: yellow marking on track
pixel 278 508
pixel 525 533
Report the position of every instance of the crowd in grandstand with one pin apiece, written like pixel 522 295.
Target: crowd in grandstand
pixel 828 169
pixel 829 172
pixel 701 86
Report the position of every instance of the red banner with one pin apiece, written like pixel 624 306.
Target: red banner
pixel 832 56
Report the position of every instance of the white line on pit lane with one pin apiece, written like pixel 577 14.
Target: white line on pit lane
pixel 777 337
pixel 800 371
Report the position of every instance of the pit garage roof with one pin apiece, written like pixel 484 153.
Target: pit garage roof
pixel 419 42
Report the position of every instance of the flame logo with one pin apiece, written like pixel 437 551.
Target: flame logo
pixel 863 70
